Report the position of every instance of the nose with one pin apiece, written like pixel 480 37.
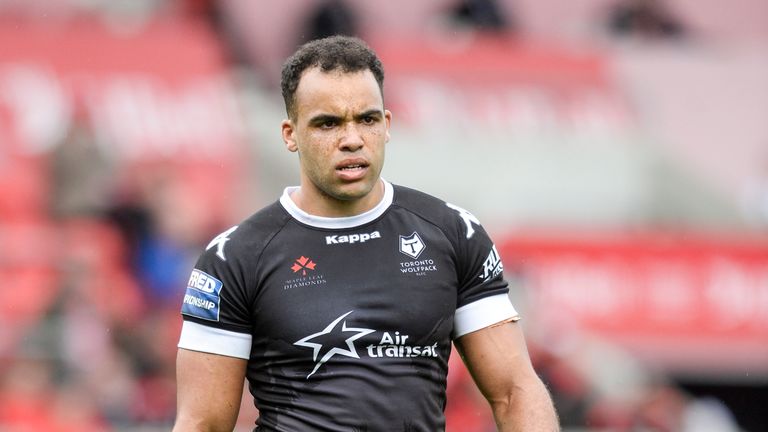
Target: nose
pixel 351 138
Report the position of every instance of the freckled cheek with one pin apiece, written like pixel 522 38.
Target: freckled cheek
pixel 323 140
pixel 318 157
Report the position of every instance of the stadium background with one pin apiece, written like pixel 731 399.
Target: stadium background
pixel 618 157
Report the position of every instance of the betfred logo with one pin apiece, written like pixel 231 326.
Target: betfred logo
pixel 202 297
pixel 352 238
pixel 204 282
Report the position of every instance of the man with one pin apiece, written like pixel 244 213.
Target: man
pixel 339 302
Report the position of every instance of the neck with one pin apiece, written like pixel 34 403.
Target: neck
pixel 318 203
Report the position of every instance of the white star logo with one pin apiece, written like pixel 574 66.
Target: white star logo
pixel 350 351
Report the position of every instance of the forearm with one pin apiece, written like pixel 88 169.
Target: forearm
pixel 527 408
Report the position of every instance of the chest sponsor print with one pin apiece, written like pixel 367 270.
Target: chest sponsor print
pixel 340 338
pixel 304 270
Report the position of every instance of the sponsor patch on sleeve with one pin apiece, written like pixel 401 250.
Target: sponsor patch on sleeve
pixel 202 297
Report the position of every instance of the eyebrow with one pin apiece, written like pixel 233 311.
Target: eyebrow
pixel 322 118
pixel 370 113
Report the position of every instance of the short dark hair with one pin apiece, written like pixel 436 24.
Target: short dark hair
pixel 345 53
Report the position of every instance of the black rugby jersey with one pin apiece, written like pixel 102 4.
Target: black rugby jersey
pixel 346 322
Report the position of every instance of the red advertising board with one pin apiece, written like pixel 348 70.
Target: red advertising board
pixel 687 303
pixel 155 96
pixel 500 82
pixel 156 91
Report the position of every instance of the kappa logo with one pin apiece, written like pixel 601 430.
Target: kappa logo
pixel 468 219
pixel 352 238
pixel 303 264
pixel 412 245
pixel 219 241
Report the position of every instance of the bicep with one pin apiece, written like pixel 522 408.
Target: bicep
pixel 497 359
pixel 209 390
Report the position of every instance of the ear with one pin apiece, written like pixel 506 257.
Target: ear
pixel 288 135
pixel 388 121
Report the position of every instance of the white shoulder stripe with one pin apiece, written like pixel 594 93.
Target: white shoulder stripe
pixel 482 313
pixel 198 337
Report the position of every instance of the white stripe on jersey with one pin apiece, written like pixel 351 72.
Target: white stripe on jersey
pixel 337 222
pixel 483 313
pixel 198 337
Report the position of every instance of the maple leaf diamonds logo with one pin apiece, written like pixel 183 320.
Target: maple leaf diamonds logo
pixel 331 341
pixel 303 264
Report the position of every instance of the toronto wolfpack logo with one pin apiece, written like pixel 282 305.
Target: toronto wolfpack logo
pixel 412 245
pixel 332 341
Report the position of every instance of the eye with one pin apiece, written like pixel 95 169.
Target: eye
pixel 328 124
pixel 368 120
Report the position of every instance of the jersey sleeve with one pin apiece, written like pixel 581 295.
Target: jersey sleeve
pixel 215 304
pixel 483 294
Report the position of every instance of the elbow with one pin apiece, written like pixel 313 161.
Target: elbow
pixel 525 408
pixel 186 424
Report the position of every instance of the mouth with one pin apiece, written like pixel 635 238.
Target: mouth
pixel 352 165
pixel 351 169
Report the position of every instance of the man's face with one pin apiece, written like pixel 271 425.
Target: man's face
pixel 339 129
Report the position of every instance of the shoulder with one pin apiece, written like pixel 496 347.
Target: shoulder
pixel 457 223
pixel 252 234
pixel 430 208
pixel 415 199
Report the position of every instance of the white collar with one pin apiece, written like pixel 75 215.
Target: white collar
pixel 336 222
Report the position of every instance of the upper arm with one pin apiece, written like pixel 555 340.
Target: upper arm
pixel 209 391
pixel 498 360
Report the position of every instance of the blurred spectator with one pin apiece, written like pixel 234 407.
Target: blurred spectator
pixel 80 173
pixel 162 245
pixel 570 390
pixel 648 19
pixel 482 15
pixel 30 400
pixel 666 408
pixel 213 12
pixel 329 18
pixel 99 354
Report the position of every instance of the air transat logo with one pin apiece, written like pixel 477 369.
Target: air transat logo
pixel 303 264
pixel 332 341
